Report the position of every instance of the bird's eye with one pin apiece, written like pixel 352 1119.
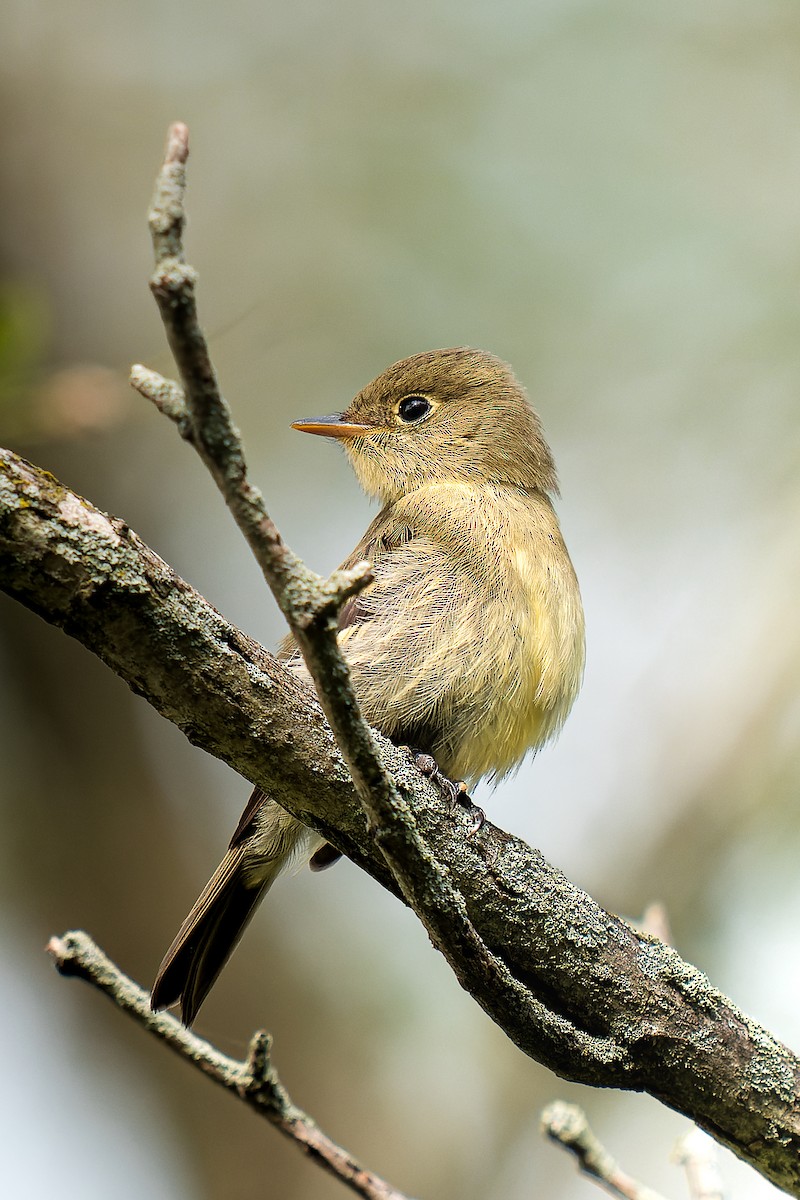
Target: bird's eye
pixel 413 408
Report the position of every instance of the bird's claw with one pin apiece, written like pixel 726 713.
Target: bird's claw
pixel 454 790
pixel 475 812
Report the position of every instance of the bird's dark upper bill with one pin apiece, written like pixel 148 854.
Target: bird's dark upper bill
pixel 332 426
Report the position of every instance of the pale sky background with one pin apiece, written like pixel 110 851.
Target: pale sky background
pixel 606 195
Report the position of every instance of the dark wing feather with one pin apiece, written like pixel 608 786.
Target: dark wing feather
pixel 206 939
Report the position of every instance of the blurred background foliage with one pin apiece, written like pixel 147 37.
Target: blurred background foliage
pixel 605 193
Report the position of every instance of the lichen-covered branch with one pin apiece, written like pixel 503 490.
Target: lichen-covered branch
pixel 255 1080
pixel 599 1002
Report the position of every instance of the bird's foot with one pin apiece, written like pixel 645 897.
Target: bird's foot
pixel 325 857
pixel 454 790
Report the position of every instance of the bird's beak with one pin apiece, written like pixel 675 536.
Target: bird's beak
pixel 332 426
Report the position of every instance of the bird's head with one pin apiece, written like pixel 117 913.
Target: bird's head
pixel 442 416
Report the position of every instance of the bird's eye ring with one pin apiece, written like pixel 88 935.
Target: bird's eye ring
pixel 413 408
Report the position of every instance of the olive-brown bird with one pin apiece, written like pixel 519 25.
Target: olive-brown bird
pixel 469 645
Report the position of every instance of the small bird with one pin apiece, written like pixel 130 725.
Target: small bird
pixel 469 644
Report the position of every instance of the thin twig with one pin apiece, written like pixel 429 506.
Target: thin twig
pixel 567 1125
pixel 655 922
pixel 697 1153
pixel 310 604
pixel 254 1080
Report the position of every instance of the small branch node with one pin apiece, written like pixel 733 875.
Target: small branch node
pixel 167 216
pixel 173 281
pixel 177 148
pixel 327 598
pixel 341 586
pixel 254 1081
pixel 260 1080
pixel 655 922
pixel 258 1056
pixel 165 394
pixel 60 950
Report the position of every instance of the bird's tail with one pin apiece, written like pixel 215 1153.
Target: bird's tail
pixel 205 941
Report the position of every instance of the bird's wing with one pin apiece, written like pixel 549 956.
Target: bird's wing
pixel 408 636
pixel 383 536
pixel 392 633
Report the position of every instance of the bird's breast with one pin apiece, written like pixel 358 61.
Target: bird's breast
pixel 528 646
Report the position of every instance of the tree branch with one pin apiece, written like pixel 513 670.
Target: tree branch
pixel 255 1080
pixel 605 1005
pixel 310 604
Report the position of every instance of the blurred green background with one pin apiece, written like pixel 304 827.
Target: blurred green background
pixel 603 193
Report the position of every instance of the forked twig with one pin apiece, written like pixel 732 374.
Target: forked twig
pixel 254 1080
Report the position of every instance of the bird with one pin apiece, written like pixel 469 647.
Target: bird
pixel 469 644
